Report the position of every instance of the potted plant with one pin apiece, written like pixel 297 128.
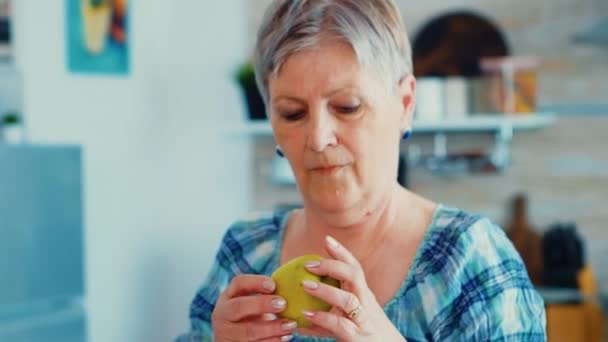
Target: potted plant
pixel 11 127
pixel 245 77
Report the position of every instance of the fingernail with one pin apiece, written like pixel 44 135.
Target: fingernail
pixel 269 317
pixel 332 242
pixel 286 338
pixel 309 284
pixel 289 325
pixel 278 303
pixel 308 313
pixel 312 264
pixel 268 285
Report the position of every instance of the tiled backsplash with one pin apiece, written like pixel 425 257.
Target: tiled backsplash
pixel 570 73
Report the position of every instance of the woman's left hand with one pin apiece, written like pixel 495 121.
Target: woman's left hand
pixel 356 314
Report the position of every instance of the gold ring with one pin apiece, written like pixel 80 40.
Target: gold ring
pixel 355 313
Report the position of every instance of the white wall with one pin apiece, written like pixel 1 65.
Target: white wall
pixel 159 189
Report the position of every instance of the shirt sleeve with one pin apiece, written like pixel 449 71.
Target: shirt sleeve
pixel 496 300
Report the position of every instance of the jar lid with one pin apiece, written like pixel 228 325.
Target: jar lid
pixel 509 63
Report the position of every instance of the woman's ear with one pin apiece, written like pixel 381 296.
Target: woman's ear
pixel 407 96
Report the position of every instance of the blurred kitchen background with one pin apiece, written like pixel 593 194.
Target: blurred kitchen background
pixel 121 166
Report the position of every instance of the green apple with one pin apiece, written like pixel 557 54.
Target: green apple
pixel 289 279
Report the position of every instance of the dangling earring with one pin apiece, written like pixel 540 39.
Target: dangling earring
pixel 407 134
pixel 279 152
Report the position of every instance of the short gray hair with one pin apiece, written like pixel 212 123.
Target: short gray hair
pixel 373 28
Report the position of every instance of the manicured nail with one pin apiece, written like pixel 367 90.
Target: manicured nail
pixel 268 285
pixel 269 317
pixel 278 303
pixel 308 313
pixel 309 284
pixel 289 325
pixel 286 338
pixel 312 264
pixel 332 242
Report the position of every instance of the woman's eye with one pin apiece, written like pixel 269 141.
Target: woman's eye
pixel 292 116
pixel 347 109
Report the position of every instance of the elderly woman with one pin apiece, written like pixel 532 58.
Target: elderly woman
pixel 336 76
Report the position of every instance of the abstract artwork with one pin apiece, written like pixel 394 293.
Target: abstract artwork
pixel 97 36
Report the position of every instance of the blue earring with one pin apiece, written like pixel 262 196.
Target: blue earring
pixel 279 152
pixel 407 134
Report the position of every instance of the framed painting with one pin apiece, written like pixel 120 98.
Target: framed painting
pixel 97 36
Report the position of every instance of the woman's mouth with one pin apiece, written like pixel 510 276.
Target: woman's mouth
pixel 327 170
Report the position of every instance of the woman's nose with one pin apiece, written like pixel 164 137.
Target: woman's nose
pixel 321 131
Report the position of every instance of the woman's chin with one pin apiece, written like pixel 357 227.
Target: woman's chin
pixel 334 202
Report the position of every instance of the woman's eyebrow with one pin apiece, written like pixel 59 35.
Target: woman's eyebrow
pixel 303 101
pixel 288 98
pixel 341 89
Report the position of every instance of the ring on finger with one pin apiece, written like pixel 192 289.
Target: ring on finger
pixel 354 314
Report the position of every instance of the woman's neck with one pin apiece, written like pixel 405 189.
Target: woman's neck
pixel 361 229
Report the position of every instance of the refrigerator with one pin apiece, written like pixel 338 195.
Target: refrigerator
pixel 41 244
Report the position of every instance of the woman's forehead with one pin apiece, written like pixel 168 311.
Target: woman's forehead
pixel 325 69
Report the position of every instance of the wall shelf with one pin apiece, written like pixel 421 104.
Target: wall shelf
pixel 486 123
pixel 479 123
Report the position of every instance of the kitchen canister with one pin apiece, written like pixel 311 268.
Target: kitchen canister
pixel 456 98
pixel 511 83
pixel 430 99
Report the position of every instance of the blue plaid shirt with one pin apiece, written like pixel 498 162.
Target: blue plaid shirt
pixel 466 282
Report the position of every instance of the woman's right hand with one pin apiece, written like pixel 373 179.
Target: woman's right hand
pixel 246 310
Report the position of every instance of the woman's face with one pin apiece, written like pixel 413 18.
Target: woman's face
pixel 338 125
